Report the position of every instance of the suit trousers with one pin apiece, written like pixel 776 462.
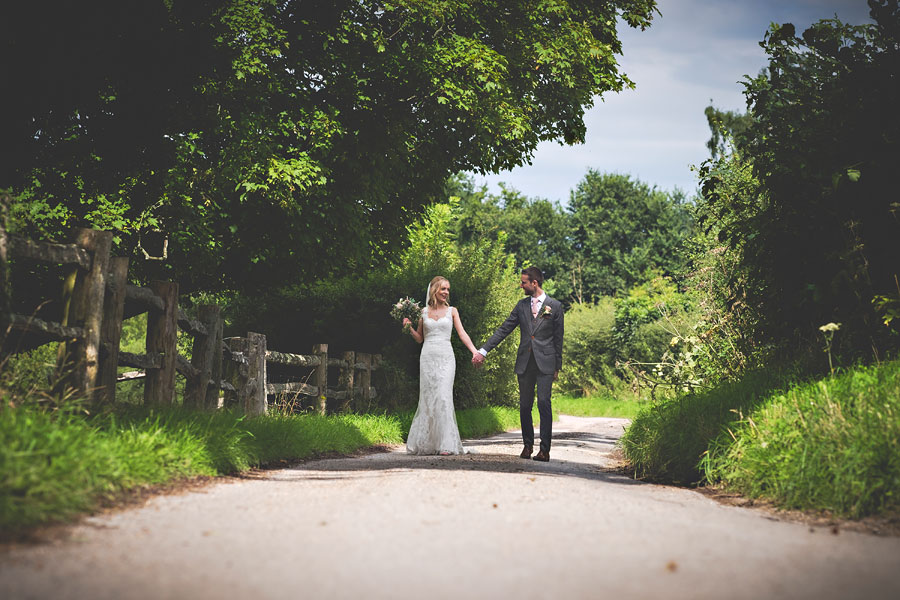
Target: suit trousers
pixel 529 380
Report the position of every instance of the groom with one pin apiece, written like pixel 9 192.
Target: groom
pixel 540 322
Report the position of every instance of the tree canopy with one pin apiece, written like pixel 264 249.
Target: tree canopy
pixel 268 138
pixel 615 232
pixel 622 229
pixel 806 200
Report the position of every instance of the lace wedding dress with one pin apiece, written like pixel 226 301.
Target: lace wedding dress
pixel 434 428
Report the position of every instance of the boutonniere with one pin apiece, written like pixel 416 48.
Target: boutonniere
pixel 546 312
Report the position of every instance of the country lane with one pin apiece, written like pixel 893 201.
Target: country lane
pixel 482 525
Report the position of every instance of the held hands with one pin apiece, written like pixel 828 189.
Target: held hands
pixel 477 359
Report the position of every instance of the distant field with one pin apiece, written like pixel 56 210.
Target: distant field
pixel 596 406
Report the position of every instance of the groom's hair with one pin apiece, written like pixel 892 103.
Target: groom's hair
pixel 534 274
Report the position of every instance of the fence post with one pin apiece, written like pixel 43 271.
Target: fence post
pixel 255 401
pixel 376 365
pixel 321 350
pixel 5 302
pixel 347 378
pixel 202 357
pixel 162 334
pixel 88 309
pixel 365 377
pixel 234 372
pixel 111 329
pixel 215 371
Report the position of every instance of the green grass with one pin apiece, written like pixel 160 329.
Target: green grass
pixel 480 422
pixel 57 464
pixel 832 444
pixel 666 439
pixel 597 406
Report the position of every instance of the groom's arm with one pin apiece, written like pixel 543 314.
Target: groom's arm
pixel 507 327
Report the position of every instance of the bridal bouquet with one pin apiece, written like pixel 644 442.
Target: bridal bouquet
pixel 406 308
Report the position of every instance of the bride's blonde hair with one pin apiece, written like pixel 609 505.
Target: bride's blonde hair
pixel 433 288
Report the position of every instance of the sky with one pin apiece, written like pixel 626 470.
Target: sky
pixel 697 51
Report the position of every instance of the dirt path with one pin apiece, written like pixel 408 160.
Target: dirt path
pixel 485 525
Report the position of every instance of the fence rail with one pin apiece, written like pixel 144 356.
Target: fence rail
pixel 96 299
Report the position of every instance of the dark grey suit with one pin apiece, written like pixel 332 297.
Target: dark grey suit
pixel 538 358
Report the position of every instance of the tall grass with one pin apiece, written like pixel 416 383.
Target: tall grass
pixel 832 444
pixel 56 464
pixel 667 439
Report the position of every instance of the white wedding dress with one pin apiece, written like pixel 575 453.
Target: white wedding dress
pixel 434 429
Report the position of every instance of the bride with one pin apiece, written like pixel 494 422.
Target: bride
pixel 434 429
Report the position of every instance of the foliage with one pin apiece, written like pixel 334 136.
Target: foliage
pixel 353 313
pixel 31 370
pixel 816 240
pixel 589 350
pixel 667 439
pixel 620 230
pixel 614 231
pixel 832 444
pixel 645 303
pixel 650 329
pixel 536 230
pixel 725 126
pixel 712 340
pixel 253 135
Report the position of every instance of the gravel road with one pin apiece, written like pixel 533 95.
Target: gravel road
pixel 483 525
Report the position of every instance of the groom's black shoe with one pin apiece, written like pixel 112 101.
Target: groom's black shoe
pixel 526 452
pixel 542 456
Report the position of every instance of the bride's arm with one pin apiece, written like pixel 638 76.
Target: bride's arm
pixel 417 332
pixel 457 322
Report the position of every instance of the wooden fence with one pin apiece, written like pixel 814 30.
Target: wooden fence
pixel 96 299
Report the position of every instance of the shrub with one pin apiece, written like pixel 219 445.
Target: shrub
pixel 589 352
pixel 352 312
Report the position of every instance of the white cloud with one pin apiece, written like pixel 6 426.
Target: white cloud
pixel 699 50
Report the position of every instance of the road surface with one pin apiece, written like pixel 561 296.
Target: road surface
pixel 483 525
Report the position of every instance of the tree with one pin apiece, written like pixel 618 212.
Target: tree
pixel 725 125
pixel 256 134
pixel 622 230
pixel 536 230
pixel 820 239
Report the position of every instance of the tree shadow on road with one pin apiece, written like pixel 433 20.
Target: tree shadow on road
pixel 498 455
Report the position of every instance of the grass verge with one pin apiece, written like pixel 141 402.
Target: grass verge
pixel 597 406
pixel 666 439
pixel 480 422
pixel 831 444
pixel 57 464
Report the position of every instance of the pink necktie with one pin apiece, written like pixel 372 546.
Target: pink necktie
pixel 534 307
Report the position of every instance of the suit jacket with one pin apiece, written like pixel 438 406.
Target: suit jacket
pixel 542 336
